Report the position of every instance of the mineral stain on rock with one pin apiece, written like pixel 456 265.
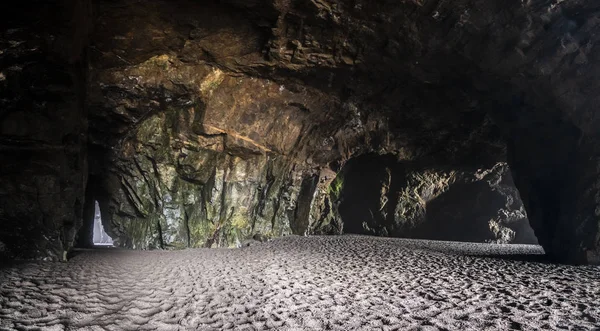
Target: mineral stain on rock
pixel 299 165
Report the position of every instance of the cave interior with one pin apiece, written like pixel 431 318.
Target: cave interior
pixel 191 123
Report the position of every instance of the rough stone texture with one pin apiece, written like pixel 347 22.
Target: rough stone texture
pixel 43 127
pixel 208 167
pixel 298 87
pixel 186 192
pixel 463 205
pixel 216 144
pixel 381 196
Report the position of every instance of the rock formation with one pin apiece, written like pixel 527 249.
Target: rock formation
pixel 43 127
pixel 201 123
pixel 379 196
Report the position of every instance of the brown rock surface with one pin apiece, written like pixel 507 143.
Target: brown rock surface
pixel 205 123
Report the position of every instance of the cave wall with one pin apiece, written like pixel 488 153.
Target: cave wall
pixel 164 96
pixel 206 165
pixel 377 195
pixel 206 150
pixel 413 79
pixel 180 189
pixel 43 126
pixel 480 205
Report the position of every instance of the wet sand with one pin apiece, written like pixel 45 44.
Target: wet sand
pixel 304 283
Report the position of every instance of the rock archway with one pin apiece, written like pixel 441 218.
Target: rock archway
pixel 378 195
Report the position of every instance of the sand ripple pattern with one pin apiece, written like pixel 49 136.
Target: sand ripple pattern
pixel 299 283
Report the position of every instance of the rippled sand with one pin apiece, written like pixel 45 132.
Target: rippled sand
pixel 298 283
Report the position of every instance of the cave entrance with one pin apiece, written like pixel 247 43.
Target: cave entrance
pixel 101 238
pixel 384 197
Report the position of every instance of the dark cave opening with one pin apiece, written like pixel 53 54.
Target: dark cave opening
pixel 254 91
pixel 384 197
pixel 466 212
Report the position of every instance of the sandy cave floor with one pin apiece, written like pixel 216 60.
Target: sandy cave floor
pixel 300 283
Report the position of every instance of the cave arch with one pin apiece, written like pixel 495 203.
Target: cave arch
pixel 384 197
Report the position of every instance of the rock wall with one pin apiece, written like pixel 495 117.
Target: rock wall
pixel 180 189
pixel 43 127
pixel 206 166
pixel 211 130
pixel 377 195
pixel 191 108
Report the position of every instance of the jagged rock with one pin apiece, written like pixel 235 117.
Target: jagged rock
pixel 381 196
pixel 43 129
pixel 173 188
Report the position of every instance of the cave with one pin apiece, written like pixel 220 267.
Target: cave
pixel 311 148
pixel 378 195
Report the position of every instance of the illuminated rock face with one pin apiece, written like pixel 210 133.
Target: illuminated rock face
pixel 196 124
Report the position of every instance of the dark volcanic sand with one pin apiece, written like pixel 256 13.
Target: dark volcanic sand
pixel 298 283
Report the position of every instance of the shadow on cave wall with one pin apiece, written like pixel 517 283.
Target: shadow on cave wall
pixel 384 197
pixel 364 196
pixel 461 214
